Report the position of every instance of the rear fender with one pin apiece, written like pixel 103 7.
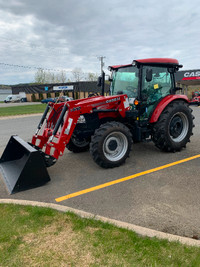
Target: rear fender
pixel 163 103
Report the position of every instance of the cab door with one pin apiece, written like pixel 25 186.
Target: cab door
pixel 156 84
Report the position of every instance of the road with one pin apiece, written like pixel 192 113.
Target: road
pixel 167 200
pixel 3 105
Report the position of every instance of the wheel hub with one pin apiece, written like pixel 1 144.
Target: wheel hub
pixel 115 146
pixel 112 145
pixel 176 127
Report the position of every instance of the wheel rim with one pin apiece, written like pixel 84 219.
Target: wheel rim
pixel 115 146
pixel 178 127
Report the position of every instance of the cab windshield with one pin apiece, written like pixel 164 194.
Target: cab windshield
pixel 125 81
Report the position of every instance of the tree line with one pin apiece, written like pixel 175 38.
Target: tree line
pixel 42 76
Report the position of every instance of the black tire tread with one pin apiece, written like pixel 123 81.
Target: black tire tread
pixel 97 138
pixel 76 149
pixel 159 133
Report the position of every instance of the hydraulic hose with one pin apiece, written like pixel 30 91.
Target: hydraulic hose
pixel 58 123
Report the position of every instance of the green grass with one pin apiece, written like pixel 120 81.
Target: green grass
pixel 21 110
pixel 43 237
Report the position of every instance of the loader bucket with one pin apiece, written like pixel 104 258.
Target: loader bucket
pixel 22 166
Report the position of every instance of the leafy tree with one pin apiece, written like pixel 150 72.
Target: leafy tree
pixel 61 77
pixel 92 76
pixel 33 98
pixel 42 77
pixel 77 74
pixel 41 96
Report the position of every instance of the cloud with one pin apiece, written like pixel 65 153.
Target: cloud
pixel 67 34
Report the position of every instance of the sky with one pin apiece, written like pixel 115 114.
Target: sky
pixel 60 35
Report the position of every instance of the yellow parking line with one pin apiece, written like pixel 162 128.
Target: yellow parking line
pixel 124 179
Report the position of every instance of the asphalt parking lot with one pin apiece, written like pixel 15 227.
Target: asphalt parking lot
pixel 165 199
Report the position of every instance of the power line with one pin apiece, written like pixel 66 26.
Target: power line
pixel 39 68
pixel 29 67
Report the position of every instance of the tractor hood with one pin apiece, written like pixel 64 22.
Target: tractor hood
pixel 96 101
pixel 115 103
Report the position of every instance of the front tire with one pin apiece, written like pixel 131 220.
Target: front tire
pixel 173 129
pixel 111 144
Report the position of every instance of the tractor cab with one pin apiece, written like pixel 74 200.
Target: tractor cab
pixel 147 81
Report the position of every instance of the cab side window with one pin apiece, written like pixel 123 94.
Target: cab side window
pixel 159 86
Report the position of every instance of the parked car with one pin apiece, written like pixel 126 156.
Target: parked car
pixel 47 100
pixel 12 98
pixel 64 98
pixel 21 97
pixel 57 99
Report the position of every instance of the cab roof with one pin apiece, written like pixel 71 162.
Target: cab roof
pixel 159 61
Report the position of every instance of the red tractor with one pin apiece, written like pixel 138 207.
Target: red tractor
pixel 142 105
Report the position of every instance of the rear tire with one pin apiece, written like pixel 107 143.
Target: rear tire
pixel 173 129
pixel 111 144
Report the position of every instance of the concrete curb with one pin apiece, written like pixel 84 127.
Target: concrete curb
pixel 138 229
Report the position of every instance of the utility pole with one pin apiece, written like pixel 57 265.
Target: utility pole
pixel 101 61
pixel 102 75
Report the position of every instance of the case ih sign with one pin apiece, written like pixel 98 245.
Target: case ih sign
pixel 187 75
pixel 191 75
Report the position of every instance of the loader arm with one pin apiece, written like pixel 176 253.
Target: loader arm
pixel 63 118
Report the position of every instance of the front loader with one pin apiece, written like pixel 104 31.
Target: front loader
pixel 143 105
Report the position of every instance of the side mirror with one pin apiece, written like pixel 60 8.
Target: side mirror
pixel 149 75
pixel 99 81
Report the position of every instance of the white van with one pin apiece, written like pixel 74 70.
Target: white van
pixel 12 98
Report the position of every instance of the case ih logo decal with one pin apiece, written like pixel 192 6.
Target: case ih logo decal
pixel 75 109
pixel 192 75
pixel 113 100
pixel 105 102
